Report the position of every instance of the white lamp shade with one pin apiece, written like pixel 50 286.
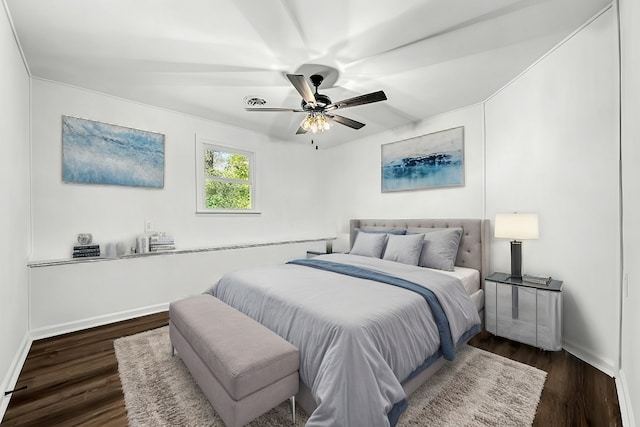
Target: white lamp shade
pixel 516 226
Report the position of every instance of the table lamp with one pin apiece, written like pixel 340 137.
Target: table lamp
pixel 517 227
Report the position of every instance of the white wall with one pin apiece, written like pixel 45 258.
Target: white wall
pixel 353 177
pixel 630 79
pixel 552 148
pixel 14 215
pixel 286 171
pixel 291 206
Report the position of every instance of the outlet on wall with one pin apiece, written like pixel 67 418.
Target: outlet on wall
pixel 148 226
pixel 626 285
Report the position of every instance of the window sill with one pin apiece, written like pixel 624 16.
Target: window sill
pixel 226 212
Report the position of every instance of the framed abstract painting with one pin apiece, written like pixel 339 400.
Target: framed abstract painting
pixel 429 161
pixel 101 153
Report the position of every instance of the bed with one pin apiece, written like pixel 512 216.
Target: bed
pixel 370 331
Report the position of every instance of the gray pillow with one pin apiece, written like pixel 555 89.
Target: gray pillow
pixel 369 244
pixel 440 249
pixel 404 249
pixel 378 231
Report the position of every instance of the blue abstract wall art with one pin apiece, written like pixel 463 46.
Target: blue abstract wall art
pixel 428 161
pixel 102 153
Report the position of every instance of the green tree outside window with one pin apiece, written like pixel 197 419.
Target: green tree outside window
pixel 228 184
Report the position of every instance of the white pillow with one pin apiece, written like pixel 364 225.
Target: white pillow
pixel 404 249
pixel 369 244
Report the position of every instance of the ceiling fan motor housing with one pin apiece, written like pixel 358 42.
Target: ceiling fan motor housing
pixel 321 100
pixel 316 80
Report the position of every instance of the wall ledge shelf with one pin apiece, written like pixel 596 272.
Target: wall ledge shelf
pixel 68 261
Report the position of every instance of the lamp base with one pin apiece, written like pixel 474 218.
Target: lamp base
pixel 516 259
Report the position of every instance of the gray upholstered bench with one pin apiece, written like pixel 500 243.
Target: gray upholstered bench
pixel 242 367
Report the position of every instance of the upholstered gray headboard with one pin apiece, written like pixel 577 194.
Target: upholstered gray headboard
pixel 473 251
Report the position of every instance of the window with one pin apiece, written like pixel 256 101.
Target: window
pixel 225 179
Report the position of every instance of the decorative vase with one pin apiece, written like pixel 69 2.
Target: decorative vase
pixel 85 238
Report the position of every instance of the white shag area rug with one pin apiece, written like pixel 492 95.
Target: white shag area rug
pixel 477 389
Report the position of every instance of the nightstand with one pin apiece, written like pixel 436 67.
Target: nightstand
pixel 523 311
pixel 311 254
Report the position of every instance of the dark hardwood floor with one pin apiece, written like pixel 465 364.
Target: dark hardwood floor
pixel 575 393
pixel 73 380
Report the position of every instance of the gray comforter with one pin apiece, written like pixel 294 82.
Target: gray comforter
pixel 358 339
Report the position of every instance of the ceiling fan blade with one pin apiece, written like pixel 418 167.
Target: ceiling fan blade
pixel 358 100
pixel 345 121
pixel 298 81
pixel 300 131
pixel 275 109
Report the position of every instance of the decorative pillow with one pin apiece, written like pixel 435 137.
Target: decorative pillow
pixel 404 249
pixel 440 249
pixel 369 244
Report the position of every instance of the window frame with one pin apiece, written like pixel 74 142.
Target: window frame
pixel 202 145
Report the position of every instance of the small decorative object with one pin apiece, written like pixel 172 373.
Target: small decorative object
pixel 85 238
pixel 110 250
pixel 142 244
pixel 86 250
pixel 427 161
pixel 537 280
pixel 101 153
pixel 161 242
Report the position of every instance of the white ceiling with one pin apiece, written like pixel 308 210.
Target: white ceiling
pixel 203 57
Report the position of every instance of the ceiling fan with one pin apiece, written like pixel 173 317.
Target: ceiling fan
pixel 319 107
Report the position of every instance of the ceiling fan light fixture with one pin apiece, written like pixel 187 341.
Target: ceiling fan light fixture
pixel 316 122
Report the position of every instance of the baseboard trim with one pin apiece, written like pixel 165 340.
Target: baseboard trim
pixel 624 400
pixel 11 378
pixel 65 328
pixel 587 356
